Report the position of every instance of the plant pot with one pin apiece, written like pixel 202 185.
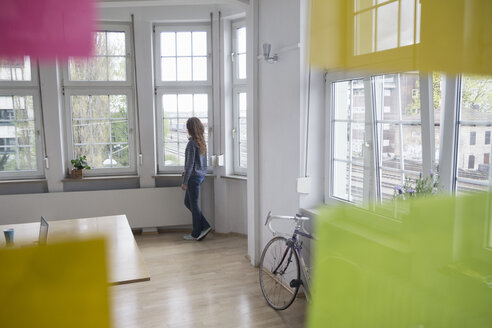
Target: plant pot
pixel 77 174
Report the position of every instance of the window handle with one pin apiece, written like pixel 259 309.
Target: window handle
pixel 233 55
pixel 234 133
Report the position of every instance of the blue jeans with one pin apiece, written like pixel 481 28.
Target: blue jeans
pixel 191 203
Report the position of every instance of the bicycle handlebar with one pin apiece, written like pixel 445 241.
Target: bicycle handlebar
pixel 297 218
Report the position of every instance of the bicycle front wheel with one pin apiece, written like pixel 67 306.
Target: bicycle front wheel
pixel 279 273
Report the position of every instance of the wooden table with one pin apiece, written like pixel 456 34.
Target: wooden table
pixel 125 263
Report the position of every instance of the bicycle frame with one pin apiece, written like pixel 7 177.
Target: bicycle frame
pixel 294 244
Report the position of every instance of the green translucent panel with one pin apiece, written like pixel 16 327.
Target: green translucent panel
pixel 425 262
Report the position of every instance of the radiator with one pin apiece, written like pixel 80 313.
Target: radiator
pixel 144 207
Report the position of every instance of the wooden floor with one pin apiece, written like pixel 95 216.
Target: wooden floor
pixel 198 284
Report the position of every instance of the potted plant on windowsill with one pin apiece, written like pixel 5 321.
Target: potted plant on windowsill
pixel 79 164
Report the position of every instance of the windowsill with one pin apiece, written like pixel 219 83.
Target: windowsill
pixel 22 181
pixel 112 177
pixel 173 175
pixel 235 177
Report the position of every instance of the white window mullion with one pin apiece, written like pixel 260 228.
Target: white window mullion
pixel 427 128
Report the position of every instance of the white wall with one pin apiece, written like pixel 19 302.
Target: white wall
pixel 279 111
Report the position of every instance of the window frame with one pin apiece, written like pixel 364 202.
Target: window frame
pixel 71 88
pixel 198 27
pixel 162 168
pixel 123 27
pixel 39 172
pixel 181 87
pixel 239 170
pixel 131 129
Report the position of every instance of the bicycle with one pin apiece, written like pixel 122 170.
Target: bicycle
pixel 280 271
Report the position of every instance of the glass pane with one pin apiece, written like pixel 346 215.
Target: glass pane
pixel 476 98
pixel 364 33
pixel 168 69
pixel 243 155
pixel 466 187
pixel 356 183
pixel 116 44
pixel 183 43
pixel 171 154
pixel 8 161
pixel 25 133
pixel 242 104
pixel 341 142
pixel 410 96
pixel 241 66
pixel 341 92
pixel 437 92
pixel 15 69
pixel 200 105
pixel 182 132
pixel 98 68
pixel 199 43
pixel 389 180
pixel 118 106
pixel 241 40
pixel 101 156
pixel 6 102
pixel 78 69
pixel 81 132
pixel 83 150
pixel 100 43
pixel 168 44
pixel 181 154
pixel 390 151
pixel 471 158
pixel 184 68
pixel 437 138
pixel 119 155
pixel 119 131
pixel 27 158
pixel 170 130
pixel 100 131
pixel 24 107
pixel 185 105
pixel 412 148
pixel 243 138
pixel 357 141
pixel 117 68
pixel 407 16
pixel 205 127
pixel 199 68
pixel 387 26
pixel 363 4
pixel 341 180
pixel 170 105
pixel 100 106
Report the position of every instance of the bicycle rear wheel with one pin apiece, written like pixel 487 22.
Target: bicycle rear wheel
pixel 279 266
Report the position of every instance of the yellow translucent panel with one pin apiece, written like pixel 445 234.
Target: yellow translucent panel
pixel 56 285
pixel 453 36
pixel 418 263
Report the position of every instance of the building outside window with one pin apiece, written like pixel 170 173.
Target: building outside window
pixel 473 138
pixel 475 119
pixel 100 107
pixel 239 81
pixel 183 89
pixel 21 142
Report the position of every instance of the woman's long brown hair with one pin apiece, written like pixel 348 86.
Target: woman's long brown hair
pixel 195 130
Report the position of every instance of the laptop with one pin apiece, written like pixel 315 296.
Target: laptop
pixel 43 231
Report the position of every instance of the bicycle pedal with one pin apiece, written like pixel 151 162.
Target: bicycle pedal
pixel 294 283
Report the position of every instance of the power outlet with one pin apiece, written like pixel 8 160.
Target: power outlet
pixel 304 185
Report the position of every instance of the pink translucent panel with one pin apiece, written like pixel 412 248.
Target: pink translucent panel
pixel 46 28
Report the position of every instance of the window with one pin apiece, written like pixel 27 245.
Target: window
pixel 348 130
pixel 486 158
pixel 473 137
pixel 398 129
pixel 475 112
pixel 239 131
pixel 21 147
pixel 99 100
pixel 183 89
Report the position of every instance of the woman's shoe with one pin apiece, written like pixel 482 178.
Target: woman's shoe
pixel 204 233
pixel 190 237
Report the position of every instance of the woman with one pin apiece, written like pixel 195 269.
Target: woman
pixel 193 175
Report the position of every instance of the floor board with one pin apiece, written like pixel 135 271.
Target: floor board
pixel 198 284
